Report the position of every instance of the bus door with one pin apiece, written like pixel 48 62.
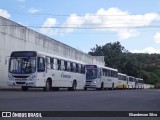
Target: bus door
pixel 41 69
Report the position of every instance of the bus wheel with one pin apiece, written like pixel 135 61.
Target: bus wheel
pixel 102 86
pixel 24 88
pixel 55 88
pixel 74 86
pixel 123 87
pixel 48 86
pixel 85 88
pixel 112 86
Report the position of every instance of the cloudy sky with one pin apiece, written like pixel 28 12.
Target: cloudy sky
pixel 84 23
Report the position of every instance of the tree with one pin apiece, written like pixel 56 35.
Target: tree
pixel 146 66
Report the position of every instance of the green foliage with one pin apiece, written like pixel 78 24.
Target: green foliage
pixel 146 66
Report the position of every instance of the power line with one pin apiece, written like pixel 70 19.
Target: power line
pixel 65 15
pixel 107 27
pixel 61 32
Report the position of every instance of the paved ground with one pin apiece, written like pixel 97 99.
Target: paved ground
pixel 117 100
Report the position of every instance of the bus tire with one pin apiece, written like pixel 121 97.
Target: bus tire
pixel 102 86
pixel 85 88
pixel 74 86
pixel 48 85
pixel 55 89
pixel 123 87
pixel 112 86
pixel 24 88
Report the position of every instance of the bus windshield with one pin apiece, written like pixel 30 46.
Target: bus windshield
pixel 140 81
pixel 22 65
pixel 91 73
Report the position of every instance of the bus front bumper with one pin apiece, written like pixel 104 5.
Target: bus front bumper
pixel 27 83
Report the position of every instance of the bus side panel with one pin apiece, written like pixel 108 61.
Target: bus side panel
pixel 41 81
pixel 65 79
pixel 80 78
pixel 115 81
pixel 61 79
pixel 108 82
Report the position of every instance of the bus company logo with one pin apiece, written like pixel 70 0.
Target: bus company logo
pixel 6 114
pixel 65 76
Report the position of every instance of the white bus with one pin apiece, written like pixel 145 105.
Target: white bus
pixel 122 81
pixel 139 83
pixel 50 72
pixel 100 77
pixel 131 82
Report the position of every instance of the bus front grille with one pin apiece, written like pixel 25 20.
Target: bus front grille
pixel 20 83
pixel 20 76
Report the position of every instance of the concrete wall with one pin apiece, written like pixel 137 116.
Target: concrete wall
pixel 14 37
pixel 147 86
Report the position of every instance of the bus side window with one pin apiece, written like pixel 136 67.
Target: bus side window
pixel 125 78
pixel 41 64
pixel 48 62
pixel 109 73
pixel 103 72
pixel 65 65
pixel 82 69
pixel 115 74
pixel 55 64
pixel 73 67
pixel 59 64
pixel 62 65
pixel 52 61
pixel 112 74
pixel 99 73
pixel 69 66
pixel 77 67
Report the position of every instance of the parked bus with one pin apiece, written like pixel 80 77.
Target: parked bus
pixel 131 82
pixel 100 77
pixel 122 81
pixel 50 72
pixel 139 83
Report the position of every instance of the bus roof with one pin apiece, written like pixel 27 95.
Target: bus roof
pixel 104 67
pixel 122 74
pixel 139 78
pixel 131 76
pixel 23 54
pixel 59 57
pixel 35 53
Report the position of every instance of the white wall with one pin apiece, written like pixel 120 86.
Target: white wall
pixel 147 86
pixel 14 37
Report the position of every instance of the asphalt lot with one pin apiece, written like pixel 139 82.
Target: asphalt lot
pixel 116 100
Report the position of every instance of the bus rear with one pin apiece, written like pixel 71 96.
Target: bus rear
pixel 122 81
pixel 22 69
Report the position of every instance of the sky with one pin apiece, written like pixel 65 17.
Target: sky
pixel 84 23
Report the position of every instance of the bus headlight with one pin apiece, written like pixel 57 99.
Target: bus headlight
pixel 95 82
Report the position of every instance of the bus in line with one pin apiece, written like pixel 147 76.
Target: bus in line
pixel 139 83
pixel 131 82
pixel 50 72
pixel 100 77
pixel 122 81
